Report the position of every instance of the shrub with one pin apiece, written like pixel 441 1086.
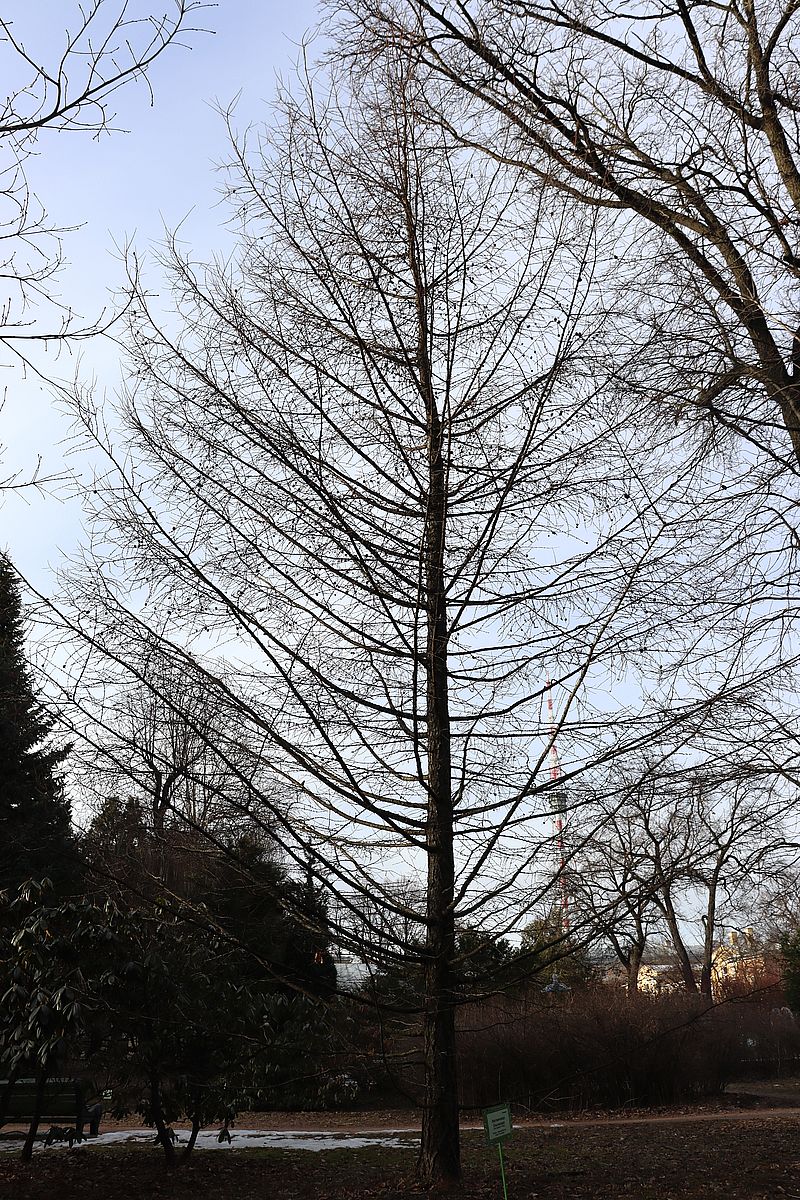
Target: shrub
pixel 605 1048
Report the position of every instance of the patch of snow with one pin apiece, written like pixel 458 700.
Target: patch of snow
pixel 244 1139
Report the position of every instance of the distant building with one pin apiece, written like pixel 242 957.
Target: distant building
pixel 659 978
pixel 351 972
pixel 659 974
pixel 743 965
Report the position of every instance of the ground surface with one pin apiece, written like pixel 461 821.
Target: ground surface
pixel 750 1155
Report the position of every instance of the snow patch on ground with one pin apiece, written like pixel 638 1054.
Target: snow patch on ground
pixel 244 1139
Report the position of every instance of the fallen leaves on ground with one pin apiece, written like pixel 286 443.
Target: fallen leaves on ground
pixel 753 1160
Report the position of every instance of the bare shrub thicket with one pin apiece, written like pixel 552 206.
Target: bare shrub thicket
pixel 608 1048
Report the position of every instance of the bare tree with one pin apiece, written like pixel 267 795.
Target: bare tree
pixel 680 119
pixel 342 468
pixel 611 889
pixel 164 739
pixel 64 84
pixel 741 840
pixel 684 845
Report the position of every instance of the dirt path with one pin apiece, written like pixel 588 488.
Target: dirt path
pixel 720 1114
pixel 409 1122
pixel 399 1120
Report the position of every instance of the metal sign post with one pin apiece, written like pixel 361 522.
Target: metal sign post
pixel 497 1124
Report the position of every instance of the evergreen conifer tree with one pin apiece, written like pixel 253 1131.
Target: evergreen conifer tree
pixel 35 836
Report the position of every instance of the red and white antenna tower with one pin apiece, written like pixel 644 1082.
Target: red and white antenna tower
pixel 559 807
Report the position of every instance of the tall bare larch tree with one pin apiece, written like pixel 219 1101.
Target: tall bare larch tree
pixel 372 496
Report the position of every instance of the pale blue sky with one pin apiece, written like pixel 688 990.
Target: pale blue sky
pixel 131 185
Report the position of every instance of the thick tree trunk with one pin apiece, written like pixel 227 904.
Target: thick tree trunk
pixel 634 966
pixel 189 1147
pixel 684 962
pixel 439 1162
pixel 785 389
pixel 27 1149
pixel 710 932
pixel 159 1122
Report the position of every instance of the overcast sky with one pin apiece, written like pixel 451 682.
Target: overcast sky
pixel 130 186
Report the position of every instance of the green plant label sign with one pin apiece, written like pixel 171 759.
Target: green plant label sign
pixel 497 1123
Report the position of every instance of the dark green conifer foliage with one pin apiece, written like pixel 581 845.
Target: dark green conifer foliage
pixel 35 837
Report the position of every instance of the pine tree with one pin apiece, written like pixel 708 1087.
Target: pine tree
pixel 35 836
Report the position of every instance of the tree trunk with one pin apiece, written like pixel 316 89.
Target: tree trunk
pixel 189 1147
pixel 786 390
pixel 634 965
pixel 684 962
pixel 158 1121
pixel 27 1149
pixel 439 1162
pixel 710 923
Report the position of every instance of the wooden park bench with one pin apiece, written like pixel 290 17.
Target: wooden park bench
pixel 66 1101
